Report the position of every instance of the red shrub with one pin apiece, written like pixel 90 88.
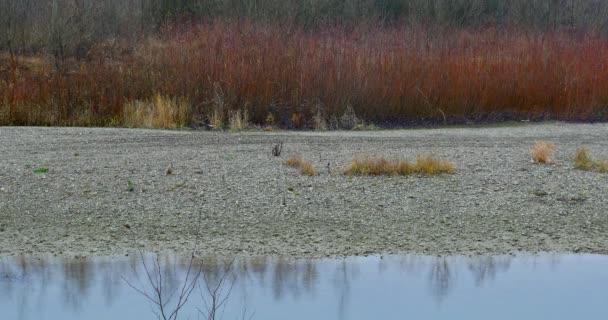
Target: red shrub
pixel 394 75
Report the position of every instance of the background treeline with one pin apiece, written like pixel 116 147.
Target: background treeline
pixel 301 64
pixel 70 27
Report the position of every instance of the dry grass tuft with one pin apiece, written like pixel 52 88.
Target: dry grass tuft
pixel 162 112
pixel 239 120
pixel 216 119
pixel 424 164
pixel 294 161
pixel 431 165
pixel 541 152
pixel 318 121
pixel 306 168
pixel 583 161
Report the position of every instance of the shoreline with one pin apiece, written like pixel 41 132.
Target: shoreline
pixel 230 185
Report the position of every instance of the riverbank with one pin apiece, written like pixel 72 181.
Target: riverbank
pixel 89 191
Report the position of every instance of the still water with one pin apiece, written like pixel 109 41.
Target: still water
pixel 547 286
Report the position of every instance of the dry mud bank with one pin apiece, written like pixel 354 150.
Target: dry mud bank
pixel 106 192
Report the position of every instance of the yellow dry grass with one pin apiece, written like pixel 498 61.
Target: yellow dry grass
pixel 583 161
pixel 542 152
pixel 424 164
pixel 216 119
pixel 306 168
pixel 161 112
pixel 239 120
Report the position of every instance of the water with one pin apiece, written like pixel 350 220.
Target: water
pixel 547 286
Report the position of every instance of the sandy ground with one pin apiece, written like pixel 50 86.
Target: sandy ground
pixel 106 192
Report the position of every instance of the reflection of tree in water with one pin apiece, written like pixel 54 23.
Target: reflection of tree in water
pixel 110 272
pixel 33 276
pixel 441 278
pixel 552 259
pixel 214 269
pixel 295 277
pixel 344 274
pixel 283 276
pixel 78 277
pixel 412 264
pixel 29 280
pixel 250 269
pixel 485 268
pixel 292 276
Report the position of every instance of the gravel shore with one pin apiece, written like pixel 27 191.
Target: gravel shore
pixel 107 192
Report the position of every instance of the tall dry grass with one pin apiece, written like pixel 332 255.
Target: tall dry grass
pixel 239 120
pixel 387 75
pixel 159 112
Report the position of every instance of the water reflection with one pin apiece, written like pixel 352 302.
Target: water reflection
pixel 486 268
pixel 29 282
pixel 441 278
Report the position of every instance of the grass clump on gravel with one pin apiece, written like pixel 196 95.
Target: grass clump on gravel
pixel 583 161
pixel 424 164
pixel 306 168
pixel 41 170
pixel 130 185
pixel 541 152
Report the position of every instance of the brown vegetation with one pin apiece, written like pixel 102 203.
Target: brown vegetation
pixel 306 168
pixel 323 64
pixel 160 112
pixel 583 161
pixel 542 152
pixel 333 78
pixel 424 164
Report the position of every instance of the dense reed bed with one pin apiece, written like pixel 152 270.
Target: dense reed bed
pixel 393 76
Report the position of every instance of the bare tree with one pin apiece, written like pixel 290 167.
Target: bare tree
pixel 215 292
pixel 160 296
